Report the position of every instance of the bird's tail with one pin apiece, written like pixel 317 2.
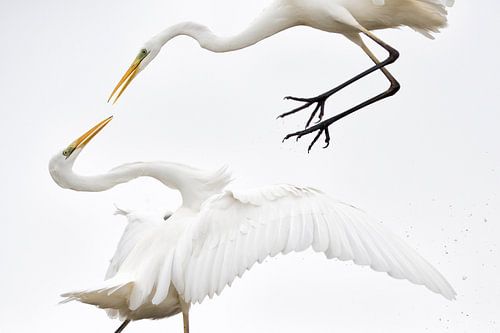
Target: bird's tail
pixel 431 16
pixel 112 295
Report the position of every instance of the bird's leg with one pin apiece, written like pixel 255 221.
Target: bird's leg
pixel 357 39
pixel 185 319
pixel 322 126
pixel 321 99
pixel 185 315
pixel 122 326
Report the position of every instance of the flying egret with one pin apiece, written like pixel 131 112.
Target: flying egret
pixel 350 18
pixel 165 262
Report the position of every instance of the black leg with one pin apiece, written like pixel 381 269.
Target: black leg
pixel 321 99
pixel 122 326
pixel 322 127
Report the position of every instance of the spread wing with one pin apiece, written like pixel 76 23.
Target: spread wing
pixel 237 229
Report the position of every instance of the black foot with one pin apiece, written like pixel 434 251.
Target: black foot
pixel 319 103
pixel 321 128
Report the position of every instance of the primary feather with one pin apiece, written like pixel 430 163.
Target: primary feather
pixel 237 229
pixel 196 254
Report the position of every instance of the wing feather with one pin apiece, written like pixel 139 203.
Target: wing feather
pixel 237 229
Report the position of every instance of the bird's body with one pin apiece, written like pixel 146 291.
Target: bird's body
pixel 147 234
pixel 351 18
pixel 165 262
pixel 335 16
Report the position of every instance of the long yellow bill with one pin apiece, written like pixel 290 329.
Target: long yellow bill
pixel 125 80
pixel 128 76
pixel 86 137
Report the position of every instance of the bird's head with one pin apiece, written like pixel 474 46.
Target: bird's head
pixel 62 163
pixel 146 54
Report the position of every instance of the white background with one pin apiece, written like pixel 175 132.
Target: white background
pixel 426 161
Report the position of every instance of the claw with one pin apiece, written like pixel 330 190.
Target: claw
pixel 321 112
pixel 297 99
pixel 320 106
pixel 314 141
pixel 294 110
pixel 327 138
pixel 298 135
pixel 319 127
pixel 323 128
pixel 288 136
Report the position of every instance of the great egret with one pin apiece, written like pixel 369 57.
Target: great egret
pixel 165 262
pixel 347 17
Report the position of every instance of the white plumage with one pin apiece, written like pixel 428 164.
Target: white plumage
pixel 351 18
pixel 165 262
pixel 234 230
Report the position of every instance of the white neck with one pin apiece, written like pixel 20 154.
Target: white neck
pixel 195 185
pixel 67 178
pixel 274 19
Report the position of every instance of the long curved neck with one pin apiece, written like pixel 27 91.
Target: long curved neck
pixel 195 185
pixel 102 182
pixel 274 19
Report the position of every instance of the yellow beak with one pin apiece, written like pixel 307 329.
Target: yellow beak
pixel 85 138
pixel 126 79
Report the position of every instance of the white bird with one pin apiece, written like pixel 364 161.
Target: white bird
pixel 350 18
pixel 164 263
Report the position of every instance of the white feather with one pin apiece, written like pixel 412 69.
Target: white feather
pixel 298 218
pixel 197 253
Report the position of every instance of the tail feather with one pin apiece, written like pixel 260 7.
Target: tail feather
pixel 434 17
pixel 111 296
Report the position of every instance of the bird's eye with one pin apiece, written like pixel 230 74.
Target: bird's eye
pixel 68 151
pixel 166 217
